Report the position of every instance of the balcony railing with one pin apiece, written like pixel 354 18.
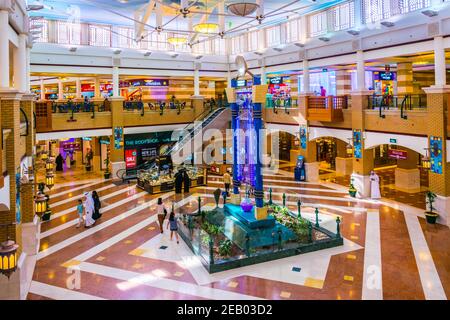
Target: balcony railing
pixel 326 109
pixel 407 102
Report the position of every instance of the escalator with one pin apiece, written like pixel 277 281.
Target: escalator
pixel 200 123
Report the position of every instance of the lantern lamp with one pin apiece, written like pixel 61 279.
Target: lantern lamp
pixel 8 256
pixel 40 203
pixel 44 156
pixel 426 163
pixel 49 165
pixel 349 148
pixel 49 181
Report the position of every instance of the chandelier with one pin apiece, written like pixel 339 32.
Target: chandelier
pixel 242 8
pixel 206 28
pixel 176 40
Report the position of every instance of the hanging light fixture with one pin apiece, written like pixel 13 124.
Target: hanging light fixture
pixel 206 27
pixel 49 180
pixel 426 163
pixel 49 165
pixel 40 204
pixel 176 39
pixel 8 255
pixel 349 148
pixel 242 8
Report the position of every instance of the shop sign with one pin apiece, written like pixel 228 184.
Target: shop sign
pixel 276 80
pixel 71 146
pixel 134 140
pixel 397 154
pixel 105 141
pixel 149 83
pixel 393 141
pixel 130 158
pixel 384 75
pixel 241 83
pixel 118 138
pixel 149 153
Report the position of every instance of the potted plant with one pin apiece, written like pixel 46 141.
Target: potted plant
pixel 430 215
pixel 351 189
pixel 107 173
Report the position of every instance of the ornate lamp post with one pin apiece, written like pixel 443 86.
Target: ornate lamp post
pixel 49 166
pixel 426 163
pixel 40 204
pixel 8 254
pixel 49 180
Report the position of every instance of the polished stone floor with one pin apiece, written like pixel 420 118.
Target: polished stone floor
pixel 389 251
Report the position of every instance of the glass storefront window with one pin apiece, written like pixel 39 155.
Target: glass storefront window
pixel 368 79
pixel 325 79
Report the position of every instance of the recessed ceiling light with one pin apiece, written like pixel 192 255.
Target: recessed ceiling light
pixel 148 53
pixel 123 1
pixel 36 18
pixel 73 49
pixel 353 32
pixel 325 39
pixel 430 13
pixel 298 44
pixel 174 55
pixel 277 49
pixel 198 57
pixel 117 51
pixel 387 24
pixel 258 53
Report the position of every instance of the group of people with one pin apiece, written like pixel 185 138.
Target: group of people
pixel 88 209
pixel 182 177
pixel 161 211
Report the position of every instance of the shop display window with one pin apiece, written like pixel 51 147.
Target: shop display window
pixel 327 80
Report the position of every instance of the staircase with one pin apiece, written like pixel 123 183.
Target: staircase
pixel 202 122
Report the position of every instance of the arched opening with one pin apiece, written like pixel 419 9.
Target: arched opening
pixel 284 147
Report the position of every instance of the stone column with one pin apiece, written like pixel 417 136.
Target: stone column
pixel 4 51
pixel 116 82
pixel 78 95
pixel 310 152
pixel 27 105
pixel 306 85
pixel 407 175
pixel 196 81
pixel 343 82
pixel 42 90
pixel 440 71
pixel 117 151
pixel 96 161
pixel 344 164
pixel 60 90
pixel 360 71
pixel 10 105
pixel 361 166
pixel 20 64
pixel 439 183
pixel 97 93
pixel 404 78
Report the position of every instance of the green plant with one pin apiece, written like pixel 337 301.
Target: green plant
pixel 298 225
pixel 225 248
pixel 106 162
pixel 431 198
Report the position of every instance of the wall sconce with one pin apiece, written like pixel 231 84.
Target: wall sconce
pixel 387 24
pixel 426 163
pixel 8 254
pixel 349 148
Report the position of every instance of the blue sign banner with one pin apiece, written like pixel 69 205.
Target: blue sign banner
pixel 357 144
pixel 303 137
pixel 118 138
pixel 436 154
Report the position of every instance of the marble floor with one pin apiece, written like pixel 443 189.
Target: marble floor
pixel 389 251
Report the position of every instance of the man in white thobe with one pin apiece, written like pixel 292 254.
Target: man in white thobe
pixel 89 209
pixel 374 186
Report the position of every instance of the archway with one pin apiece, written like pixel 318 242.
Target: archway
pixel 284 147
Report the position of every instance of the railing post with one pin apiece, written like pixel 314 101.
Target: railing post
pixel 284 199
pixel 211 250
pixel 299 204
pixel 270 196
pixel 247 245
pixel 338 229
pixel 279 239
pixel 310 231
pixel 317 217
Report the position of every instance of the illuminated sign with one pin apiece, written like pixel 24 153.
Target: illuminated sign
pixel 384 75
pixel 276 80
pixel 241 83
pixel 149 83
pixel 397 154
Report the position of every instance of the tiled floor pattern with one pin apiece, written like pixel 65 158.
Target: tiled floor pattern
pixel 125 257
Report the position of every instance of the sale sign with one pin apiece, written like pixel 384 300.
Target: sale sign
pixel 397 154
pixel 130 158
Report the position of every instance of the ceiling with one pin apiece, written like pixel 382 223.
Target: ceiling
pixel 122 12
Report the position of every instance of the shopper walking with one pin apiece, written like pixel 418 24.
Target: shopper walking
pixel 80 211
pixel 227 182
pixel 97 205
pixel 172 223
pixel 161 211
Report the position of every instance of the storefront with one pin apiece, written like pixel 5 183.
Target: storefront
pixel 385 82
pixel 145 89
pixel 321 83
pixel 143 147
pixel 279 92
